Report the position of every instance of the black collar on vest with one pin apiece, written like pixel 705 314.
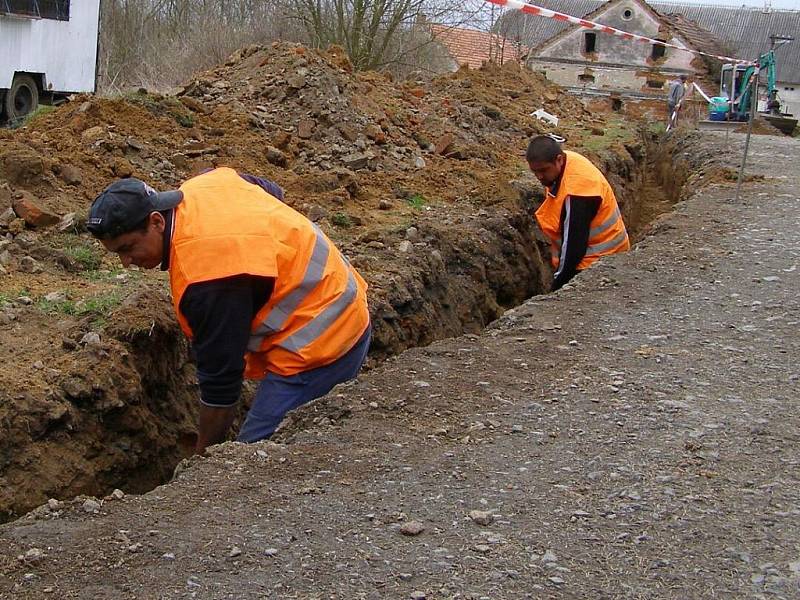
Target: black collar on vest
pixel 168 227
pixel 553 189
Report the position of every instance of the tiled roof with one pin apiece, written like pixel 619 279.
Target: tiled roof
pixel 744 30
pixel 472 47
pixel 698 37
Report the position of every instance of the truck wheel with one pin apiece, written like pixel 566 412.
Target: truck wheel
pixel 22 98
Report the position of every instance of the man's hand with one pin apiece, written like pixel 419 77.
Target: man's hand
pixel 213 426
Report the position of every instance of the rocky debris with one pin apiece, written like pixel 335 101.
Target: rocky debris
pixel 70 174
pixel 93 134
pixel 21 166
pixel 91 505
pixel 27 207
pixel 91 338
pixel 7 216
pixel 412 528
pixel 438 439
pixel 28 264
pixel 481 517
pixel 471 257
pixel 276 157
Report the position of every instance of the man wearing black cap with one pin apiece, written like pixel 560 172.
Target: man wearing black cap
pixel 260 291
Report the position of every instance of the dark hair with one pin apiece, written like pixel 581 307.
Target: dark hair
pixel 543 148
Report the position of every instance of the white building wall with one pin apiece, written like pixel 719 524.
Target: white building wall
pixel 65 51
pixel 616 64
pixel 609 79
pixel 789 95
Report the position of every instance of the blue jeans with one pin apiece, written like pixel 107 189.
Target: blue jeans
pixel 277 395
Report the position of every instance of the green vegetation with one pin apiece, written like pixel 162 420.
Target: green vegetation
pixel 99 306
pixel 341 219
pixel 616 131
pixel 416 201
pixel 657 128
pixel 88 257
pixel 11 296
pixel 42 109
pixel 64 307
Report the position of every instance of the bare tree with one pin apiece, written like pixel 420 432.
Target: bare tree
pixel 378 33
pixel 160 43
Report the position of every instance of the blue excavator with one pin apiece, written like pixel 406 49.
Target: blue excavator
pixel 739 79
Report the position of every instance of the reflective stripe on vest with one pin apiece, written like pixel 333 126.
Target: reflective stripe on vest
pixel 594 232
pixel 612 243
pixel 605 225
pixel 283 310
pixel 317 326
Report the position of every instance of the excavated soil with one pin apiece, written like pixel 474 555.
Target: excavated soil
pixel 633 435
pixel 423 186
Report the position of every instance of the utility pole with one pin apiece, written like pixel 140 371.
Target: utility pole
pixel 752 116
pixel 779 40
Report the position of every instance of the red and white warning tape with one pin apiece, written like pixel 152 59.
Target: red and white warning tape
pixel 532 9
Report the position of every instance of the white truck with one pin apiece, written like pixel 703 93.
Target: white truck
pixel 48 48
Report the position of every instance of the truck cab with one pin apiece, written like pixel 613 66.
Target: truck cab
pixel 49 49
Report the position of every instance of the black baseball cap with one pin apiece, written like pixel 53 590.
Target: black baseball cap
pixel 124 205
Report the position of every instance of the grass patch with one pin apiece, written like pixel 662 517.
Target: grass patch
pixel 11 297
pixel 341 219
pixel 100 306
pixel 40 111
pixel 87 257
pixel 657 128
pixel 616 131
pixel 417 201
pixel 60 307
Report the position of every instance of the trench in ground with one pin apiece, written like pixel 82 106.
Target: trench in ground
pixel 481 267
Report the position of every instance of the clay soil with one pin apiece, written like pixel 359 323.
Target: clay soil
pixel 632 436
pixel 422 184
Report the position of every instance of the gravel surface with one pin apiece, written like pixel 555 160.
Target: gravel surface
pixel 634 435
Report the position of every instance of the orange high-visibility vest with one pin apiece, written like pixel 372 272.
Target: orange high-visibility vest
pixel 226 226
pixel 607 234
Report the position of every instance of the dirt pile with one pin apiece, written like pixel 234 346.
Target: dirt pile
pixel 422 185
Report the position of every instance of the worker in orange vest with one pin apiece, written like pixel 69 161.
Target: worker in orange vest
pixel 579 214
pixel 259 289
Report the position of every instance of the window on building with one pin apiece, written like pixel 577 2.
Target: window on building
pixel 38 9
pixel 658 51
pixel 589 42
pixel 54 9
pixel 627 14
pixel 585 78
pixel 655 84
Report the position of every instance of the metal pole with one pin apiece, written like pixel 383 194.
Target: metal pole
pixel 753 102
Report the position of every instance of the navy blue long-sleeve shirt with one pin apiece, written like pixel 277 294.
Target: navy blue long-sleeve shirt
pixel 576 219
pixel 219 313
